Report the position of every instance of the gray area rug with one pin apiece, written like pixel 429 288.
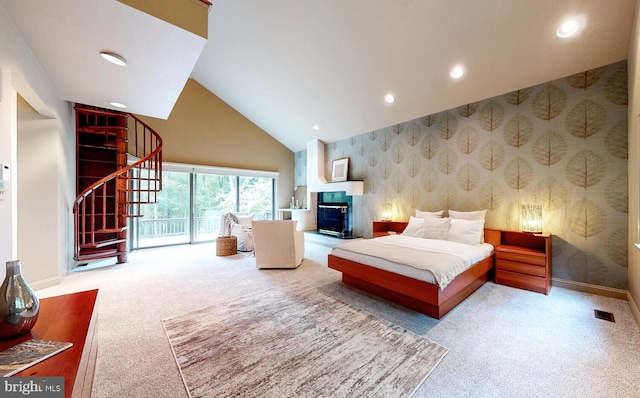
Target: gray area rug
pixel 296 341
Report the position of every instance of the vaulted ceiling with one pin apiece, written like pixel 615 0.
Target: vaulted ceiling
pixel 288 65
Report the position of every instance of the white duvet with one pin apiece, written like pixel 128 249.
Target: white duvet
pixel 443 259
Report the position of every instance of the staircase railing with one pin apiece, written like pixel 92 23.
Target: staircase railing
pixel 104 207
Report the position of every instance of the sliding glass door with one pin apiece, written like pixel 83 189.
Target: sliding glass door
pixel 190 206
pixel 167 221
pixel 256 197
pixel 214 195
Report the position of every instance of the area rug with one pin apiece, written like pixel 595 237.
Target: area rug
pixel 296 341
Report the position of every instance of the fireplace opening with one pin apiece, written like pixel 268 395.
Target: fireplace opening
pixel 333 219
pixel 335 214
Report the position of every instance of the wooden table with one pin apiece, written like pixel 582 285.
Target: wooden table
pixel 70 317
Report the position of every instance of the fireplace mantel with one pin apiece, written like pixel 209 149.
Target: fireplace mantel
pixel 316 181
pixel 350 187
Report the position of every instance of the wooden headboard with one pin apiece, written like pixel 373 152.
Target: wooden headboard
pixel 492 236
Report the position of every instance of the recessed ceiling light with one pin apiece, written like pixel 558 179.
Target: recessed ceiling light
pixel 389 99
pixel 316 127
pixel 456 72
pixel 117 104
pixel 113 58
pixel 568 28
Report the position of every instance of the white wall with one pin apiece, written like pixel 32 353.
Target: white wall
pixel 37 208
pixel 22 74
pixel 8 246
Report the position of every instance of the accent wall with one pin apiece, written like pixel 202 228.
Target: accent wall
pixel 562 145
pixel 204 130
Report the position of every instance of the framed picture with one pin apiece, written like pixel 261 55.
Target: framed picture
pixel 339 170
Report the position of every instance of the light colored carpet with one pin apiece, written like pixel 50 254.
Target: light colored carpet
pixel 295 341
pixel 503 342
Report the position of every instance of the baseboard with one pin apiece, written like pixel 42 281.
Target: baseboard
pixel 593 289
pixel 634 308
pixel 45 283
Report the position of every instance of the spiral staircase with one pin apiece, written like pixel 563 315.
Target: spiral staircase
pixel 118 168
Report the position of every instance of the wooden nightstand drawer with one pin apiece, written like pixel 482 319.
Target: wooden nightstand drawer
pixel 521 255
pixel 513 266
pixel 523 260
pixel 521 281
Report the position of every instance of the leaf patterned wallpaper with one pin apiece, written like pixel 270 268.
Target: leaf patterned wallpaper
pixel 562 145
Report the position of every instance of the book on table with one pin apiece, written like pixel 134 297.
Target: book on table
pixel 29 353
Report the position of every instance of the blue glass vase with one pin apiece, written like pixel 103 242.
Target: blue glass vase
pixel 19 306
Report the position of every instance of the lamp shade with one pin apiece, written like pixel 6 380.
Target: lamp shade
pixel 532 218
pixel 386 211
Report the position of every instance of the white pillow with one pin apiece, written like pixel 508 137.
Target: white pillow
pixel 245 220
pixel 414 227
pixel 466 231
pixel 435 228
pixel 427 214
pixel 468 215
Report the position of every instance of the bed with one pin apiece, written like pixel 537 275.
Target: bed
pixel 410 289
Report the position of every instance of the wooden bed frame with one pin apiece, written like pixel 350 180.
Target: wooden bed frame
pixel 420 296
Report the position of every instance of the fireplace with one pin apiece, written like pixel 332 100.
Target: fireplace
pixel 335 214
pixel 333 219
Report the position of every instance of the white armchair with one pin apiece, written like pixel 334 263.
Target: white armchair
pixel 278 244
pixel 238 225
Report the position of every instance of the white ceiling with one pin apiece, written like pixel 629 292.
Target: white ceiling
pixel 66 37
pixel 289 64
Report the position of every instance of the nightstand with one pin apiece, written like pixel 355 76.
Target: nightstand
pixel 523 260
pixel 383 228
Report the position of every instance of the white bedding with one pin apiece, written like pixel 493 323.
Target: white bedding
pixel 429 260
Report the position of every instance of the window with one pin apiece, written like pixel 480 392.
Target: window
pixel 193 199
pixel 167 221
pixel 256 197
pixel 214 195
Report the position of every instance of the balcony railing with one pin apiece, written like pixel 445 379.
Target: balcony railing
pixel 149 228
pixel 207 228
